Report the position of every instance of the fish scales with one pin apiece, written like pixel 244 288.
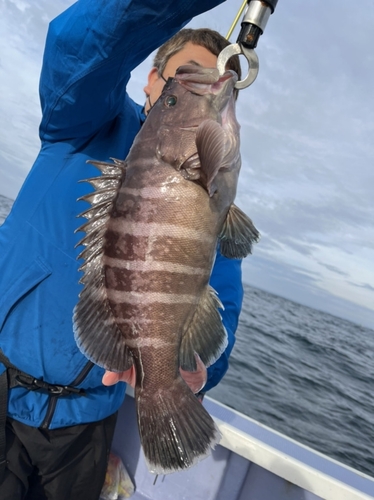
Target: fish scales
pixel 166 289
pixel 146 298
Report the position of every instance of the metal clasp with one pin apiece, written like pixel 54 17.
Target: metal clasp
pixel 257 13
pixel 252 59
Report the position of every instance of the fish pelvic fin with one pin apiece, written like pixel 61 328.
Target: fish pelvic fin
pixel 237 235
pixel 175 429
pixel 205 335
pixel 95 330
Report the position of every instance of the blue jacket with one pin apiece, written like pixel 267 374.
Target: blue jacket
pixel 90 51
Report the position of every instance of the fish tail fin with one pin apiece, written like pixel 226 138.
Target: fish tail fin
pixel 175 429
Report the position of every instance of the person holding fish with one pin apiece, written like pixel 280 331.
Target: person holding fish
pixel 149 309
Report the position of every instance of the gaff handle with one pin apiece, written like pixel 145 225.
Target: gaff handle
pixel 254 21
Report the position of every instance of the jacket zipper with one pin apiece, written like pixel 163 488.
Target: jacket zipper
pixel 53 399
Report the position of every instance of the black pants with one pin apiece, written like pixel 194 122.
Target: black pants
pixel 60 464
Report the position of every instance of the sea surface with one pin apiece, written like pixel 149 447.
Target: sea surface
pixel 302 372
pixel 306 374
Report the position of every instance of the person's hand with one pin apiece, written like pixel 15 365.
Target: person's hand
pixel 195 380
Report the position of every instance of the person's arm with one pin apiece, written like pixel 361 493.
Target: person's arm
pixel 90 51
pixel 226 279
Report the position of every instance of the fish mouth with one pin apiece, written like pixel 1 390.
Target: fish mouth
pixel 201 81
pixel 207 81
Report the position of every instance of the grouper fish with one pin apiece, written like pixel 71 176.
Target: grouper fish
pixel 151 239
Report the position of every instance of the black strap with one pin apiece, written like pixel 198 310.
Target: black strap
pixel 12 377
pixel 18 378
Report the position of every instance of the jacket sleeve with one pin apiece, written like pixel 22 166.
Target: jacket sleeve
pixel 226 279
pixel 91 49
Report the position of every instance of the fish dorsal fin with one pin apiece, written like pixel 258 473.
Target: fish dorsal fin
pixel 93 320
pixel 210 143
pixel 237 235
pixel 206 334
pixel 101 200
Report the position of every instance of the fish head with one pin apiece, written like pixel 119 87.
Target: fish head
pixel 201 93
pixel 195 95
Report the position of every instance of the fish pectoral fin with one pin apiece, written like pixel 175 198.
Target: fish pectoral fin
pixel 210 144
pixel 237 235
pixel 205 335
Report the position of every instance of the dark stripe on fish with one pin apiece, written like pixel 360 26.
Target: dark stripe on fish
pixel 167 249
pixel 150 281
pixel 166 312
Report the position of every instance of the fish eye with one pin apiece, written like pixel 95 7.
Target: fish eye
pixel 170 101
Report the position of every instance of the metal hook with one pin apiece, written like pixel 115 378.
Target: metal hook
pixel 237 49
pixel 251 56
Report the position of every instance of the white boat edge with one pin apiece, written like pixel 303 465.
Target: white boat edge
pixel 285 464
pixel 277 461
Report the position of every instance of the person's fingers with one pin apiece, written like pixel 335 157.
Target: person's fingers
pixel 110 378
pixel 128 376
pixel 195 380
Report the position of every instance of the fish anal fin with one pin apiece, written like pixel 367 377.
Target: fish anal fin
pixel 237 235
pixel 206 335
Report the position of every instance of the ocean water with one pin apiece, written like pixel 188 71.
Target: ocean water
pixel 302 372
pixel 306 374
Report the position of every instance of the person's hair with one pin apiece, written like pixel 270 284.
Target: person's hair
pixel 205 37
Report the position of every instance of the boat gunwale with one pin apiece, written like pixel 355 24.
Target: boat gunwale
pixel 288 458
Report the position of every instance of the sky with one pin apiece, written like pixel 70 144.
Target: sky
pixel 307 135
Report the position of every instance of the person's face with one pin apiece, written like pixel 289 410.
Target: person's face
pixel 190 54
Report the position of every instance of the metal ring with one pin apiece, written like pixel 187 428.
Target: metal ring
pixel 236 49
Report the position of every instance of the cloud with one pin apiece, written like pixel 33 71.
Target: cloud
pixel 307 127
pixel 23 28
pixel 334 269
pixel 363 285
